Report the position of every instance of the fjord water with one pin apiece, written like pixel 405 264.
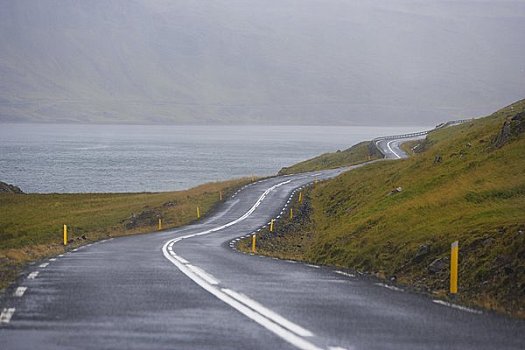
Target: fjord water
pixel 70 158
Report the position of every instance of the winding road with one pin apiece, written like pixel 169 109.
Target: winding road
pixel 188 288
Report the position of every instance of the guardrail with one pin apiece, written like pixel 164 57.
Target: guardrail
pixel 416 134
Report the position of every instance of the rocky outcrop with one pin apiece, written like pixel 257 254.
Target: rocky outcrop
pixel 7 188
pixel 148 217
pixel 513 127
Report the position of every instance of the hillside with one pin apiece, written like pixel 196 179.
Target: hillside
pixel 356 154
pixel 259 61
pixel 31 224
pixel 466 184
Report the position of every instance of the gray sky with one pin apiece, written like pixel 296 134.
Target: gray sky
pixel 259 61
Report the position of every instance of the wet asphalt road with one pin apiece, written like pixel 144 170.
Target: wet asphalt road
pixel 188 289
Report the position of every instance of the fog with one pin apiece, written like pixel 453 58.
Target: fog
pixel 310 62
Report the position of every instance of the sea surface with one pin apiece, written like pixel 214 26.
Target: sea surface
pixel 48 158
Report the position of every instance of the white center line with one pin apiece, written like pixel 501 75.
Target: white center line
pixel 43 265
pixel 32 275
pixel 6 315
pixel 391 150
pixel 20 291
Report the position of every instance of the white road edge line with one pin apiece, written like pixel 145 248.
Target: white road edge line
pixel 344 273
pixel 458 307
pixel 43 265
pixel 314 266
pixel 6 315
pixel 252 311
pixel 19 292
pixel 389 287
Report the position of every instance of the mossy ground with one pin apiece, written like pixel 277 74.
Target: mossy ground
pixel 475 194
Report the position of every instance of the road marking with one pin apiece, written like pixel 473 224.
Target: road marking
pixel 20 291
pixel 203 274
pixel 32 275
pixel 6 315
pixel 203 279
pixel 391 150
pixel 53 259
pixel 459 307
pixel 344 273
pixel 43 265
pixel 389 287
pixel 314 266
pixel 180 258
pixel 269 314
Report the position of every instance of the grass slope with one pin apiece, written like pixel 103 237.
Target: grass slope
pixel 31 224
pixel 475 195
pixel 356 154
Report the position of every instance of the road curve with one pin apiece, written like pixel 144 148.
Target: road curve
pixel 188 289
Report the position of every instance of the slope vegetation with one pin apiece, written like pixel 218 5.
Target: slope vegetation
pixel 356 154
pixel 31 224
pixel 397 219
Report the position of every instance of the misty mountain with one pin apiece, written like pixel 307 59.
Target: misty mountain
pixel 258 61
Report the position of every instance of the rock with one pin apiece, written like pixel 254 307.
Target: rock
pixel 7 188
pixel 393 278
pixel 438 265
pixel 169 204
pixel 438 159
pixel 396 190
pixel 511 128
pixel 146 218
pixel 83 237
pixel 421 253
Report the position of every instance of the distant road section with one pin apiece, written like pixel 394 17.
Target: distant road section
pixel 389 146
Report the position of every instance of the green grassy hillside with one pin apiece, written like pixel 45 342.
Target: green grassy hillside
pixel 356 154
pixel 466 184
pixel 31 224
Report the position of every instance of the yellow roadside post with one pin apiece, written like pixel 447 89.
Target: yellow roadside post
pixel 454 260
pixel 160 224
pixel 253 243
pixel 291 213
pixel 271 225
pixel 198 213
pixel 65 234
pixel 300 197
